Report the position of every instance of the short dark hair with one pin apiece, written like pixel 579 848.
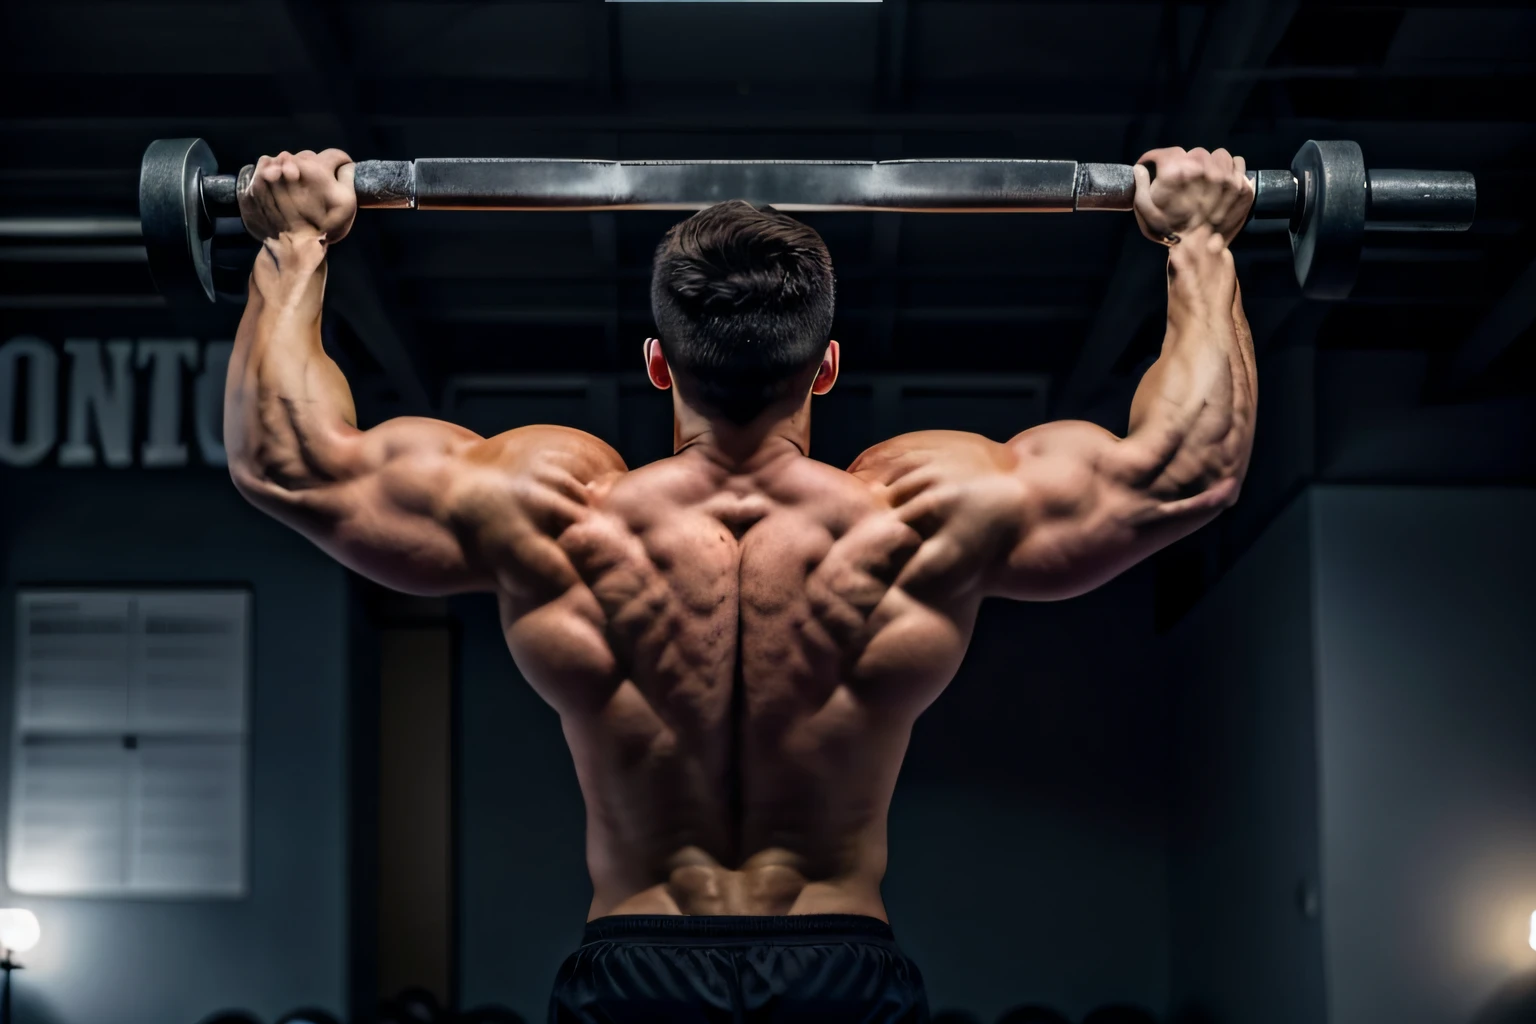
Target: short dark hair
pixel 743 298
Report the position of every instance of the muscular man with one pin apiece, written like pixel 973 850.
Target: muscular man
pixel 738 639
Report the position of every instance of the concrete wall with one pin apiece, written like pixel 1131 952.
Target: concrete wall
pixel 1027 845
pixel 1426 643
pixel 284 944
pixel 1028 830
pixel 1244 836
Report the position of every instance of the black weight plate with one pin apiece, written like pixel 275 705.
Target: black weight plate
pixel 177 233
pixel 1329 231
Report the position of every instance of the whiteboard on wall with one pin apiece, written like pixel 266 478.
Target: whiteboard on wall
pixel 129 749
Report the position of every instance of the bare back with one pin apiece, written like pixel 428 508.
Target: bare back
pixel 737 677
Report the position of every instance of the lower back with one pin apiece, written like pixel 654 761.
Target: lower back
pixel 768 883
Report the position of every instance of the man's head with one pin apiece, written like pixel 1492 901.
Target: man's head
pixel 743 299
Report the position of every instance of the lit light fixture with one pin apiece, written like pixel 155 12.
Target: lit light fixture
pixel 19 932
pixel 1533 929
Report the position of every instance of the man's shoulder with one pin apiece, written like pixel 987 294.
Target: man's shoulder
pixel 529 450
pixel 890 459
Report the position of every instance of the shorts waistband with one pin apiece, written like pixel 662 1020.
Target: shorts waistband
pixel 732 929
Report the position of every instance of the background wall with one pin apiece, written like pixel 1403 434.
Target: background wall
pixel 284 944
pixel 1355 781
pixel 1244 849
pixel 522 862
pixel 1426 658
pixel 1028 846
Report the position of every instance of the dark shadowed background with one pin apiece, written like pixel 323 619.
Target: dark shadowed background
pixel 1284 772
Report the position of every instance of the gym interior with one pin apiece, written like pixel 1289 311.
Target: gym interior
pixel 1284 771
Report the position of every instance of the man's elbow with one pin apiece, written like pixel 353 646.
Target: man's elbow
pixel 1196 507
pixel 1224 492
pixel 278 467
pixel 246 479
pixel 258 488
pixel 273 491
pixel 1212 482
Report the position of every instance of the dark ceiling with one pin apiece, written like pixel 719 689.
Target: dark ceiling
pixel 1077 297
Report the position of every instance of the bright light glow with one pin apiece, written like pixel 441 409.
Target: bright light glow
pixel 19 930
pixel 1533 930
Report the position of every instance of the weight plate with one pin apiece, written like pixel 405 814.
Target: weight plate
pixel 177 232
pixel 1329 230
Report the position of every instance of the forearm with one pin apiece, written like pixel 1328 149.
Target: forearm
pixel 1193 415
pixel 287 407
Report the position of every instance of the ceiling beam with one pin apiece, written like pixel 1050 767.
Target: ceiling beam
pixel 1239 34
pixel 312 75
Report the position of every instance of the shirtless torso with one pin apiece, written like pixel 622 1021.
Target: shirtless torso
pixel 737 673
pixel 737 639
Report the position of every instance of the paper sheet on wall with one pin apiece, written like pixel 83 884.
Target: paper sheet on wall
pixel 189 673
pixel 69 822
pixel 73 661
pixel 129 764
pixel 93 816
pixel 186 812
pixel 132 663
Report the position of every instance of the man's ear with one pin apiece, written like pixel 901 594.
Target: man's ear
pixel 826 373
pixel 656 364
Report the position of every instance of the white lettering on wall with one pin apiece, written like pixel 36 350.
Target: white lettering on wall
pixel 164 447
pixel 102 392
pixel 42 383
pixel 93 396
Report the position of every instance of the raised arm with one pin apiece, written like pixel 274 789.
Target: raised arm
pixel 416 504
pixel 1066 506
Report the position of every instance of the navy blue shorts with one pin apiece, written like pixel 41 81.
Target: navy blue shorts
pixel 738 970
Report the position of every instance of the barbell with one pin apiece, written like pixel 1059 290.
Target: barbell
pixel 1327 198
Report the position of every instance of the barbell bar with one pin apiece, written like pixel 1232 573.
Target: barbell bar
pixel 1327 197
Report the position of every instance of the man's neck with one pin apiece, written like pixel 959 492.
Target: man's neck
pixel 742 448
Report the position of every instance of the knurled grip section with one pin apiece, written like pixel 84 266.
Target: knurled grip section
pixel 385 184
pixel 1105 187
